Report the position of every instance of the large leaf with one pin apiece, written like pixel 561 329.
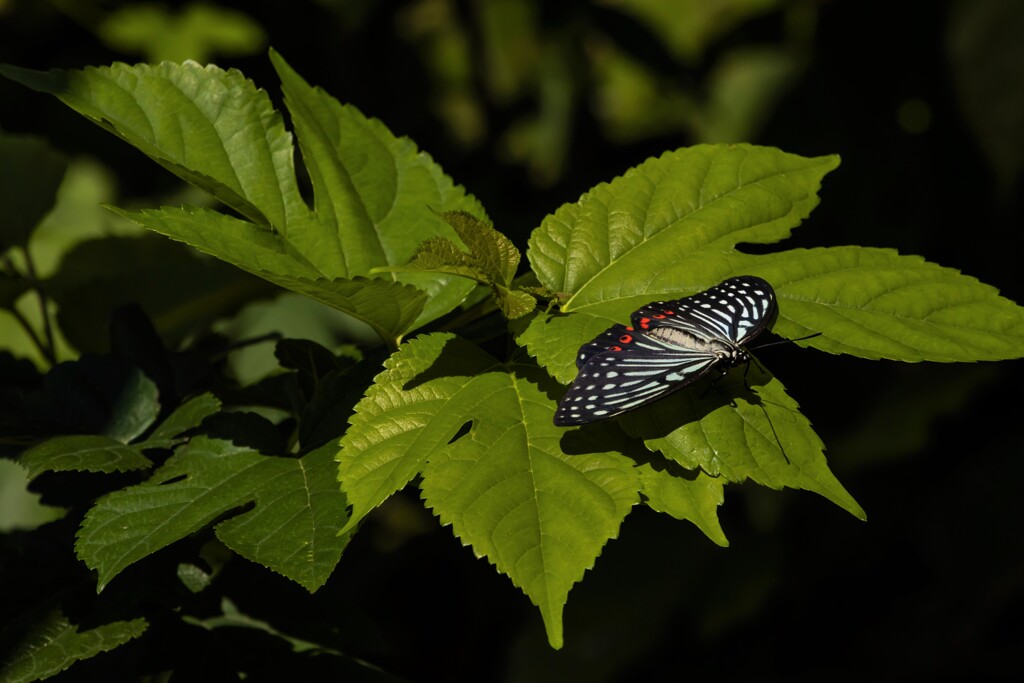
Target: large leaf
pixel 102 453
pixel 876 303
pixel 669 227
pixel 481 436
pixel 53 644
pixel 375 194
pixel 211 127
pixel 736 433
pixel 293 528
pixel 391 308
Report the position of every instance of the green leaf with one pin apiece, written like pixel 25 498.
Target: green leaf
pixel 11 289
pixel 53 644
pixel 505 485
pixel 293 528
pixel 492 251
pixel 187 416
pixel 876 303
pixel 373 193
pixel 85 453
pixel 681 213
pixel 30 173
pixel 669 227
pixel 389 307
pixel 191 32
pixel 693 496
pixel 514 303
pixel 492 260
pixel 738 434
pixel 210 127
pixel 664 229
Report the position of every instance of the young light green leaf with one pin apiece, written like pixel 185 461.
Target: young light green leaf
pixel 84 453
pixel 539 515
pixel 735 434
pixel 693 496
pixel 492 260
pixel 514 303
pixel 293 528
pixel 54 643
pixel 876 303
pixel 489 249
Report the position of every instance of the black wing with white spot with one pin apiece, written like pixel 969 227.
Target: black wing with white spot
pixel 669 346
pixel 738 310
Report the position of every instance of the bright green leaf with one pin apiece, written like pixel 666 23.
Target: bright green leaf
pixel 876 303
pixel 293 528
pixel 736 435
pixel 681 213
pixel 373 193
pixel 53 644
pixel 211 127
pixel 539 515
pixel 693 496
pixel 665 229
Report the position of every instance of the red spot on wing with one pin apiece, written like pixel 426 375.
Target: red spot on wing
pixel 645 323
pixel 657 316
pixel 626 338
pixel 614 348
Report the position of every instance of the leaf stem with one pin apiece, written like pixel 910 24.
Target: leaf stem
pixel 47 350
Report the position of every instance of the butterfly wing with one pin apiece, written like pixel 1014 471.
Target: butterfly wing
pixel 623 369
pixel 738 309
pixel 626 367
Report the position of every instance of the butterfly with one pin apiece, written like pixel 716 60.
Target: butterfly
pixel 670 345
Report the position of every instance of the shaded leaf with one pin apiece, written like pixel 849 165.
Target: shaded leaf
pixel 187 416
pixel 30 173
pixel 293 528
pixel 53 644
pixel 84 453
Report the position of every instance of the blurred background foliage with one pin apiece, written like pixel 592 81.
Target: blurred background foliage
pixel 528 104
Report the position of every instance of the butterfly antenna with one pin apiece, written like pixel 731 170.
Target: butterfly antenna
pixel 784 341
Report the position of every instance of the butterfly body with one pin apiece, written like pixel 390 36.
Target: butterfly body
pixel 670 345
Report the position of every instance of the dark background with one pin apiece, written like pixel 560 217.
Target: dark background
pixel 924 101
